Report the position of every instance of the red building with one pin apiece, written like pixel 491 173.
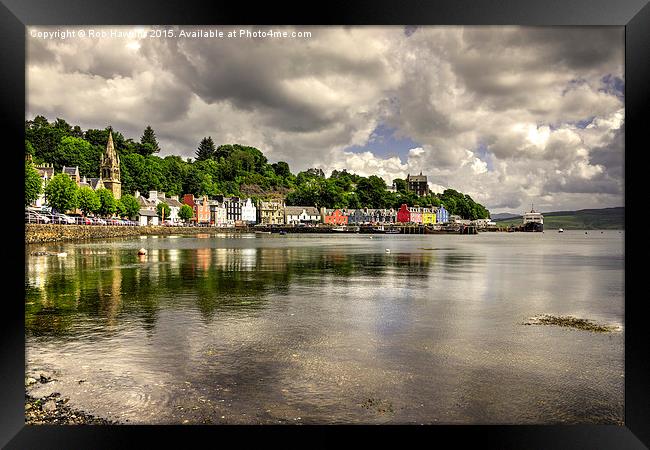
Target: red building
pixel 200 207
pixel 403 214
pixel 335 217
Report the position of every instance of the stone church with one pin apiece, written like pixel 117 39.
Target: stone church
pixel 109 170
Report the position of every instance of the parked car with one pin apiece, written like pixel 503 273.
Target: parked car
pixel 34 217
pixel 99 221
pixel 63 219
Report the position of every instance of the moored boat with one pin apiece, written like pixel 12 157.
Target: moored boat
pixel 533 221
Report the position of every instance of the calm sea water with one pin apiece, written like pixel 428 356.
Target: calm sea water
pixel 330 328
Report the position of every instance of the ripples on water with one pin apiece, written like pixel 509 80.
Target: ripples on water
pixel 330 329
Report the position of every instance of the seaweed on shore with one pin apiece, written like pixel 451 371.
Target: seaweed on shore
pixel 570 322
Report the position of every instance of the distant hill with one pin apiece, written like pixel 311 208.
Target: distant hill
pixel 503 216
pixel 584 219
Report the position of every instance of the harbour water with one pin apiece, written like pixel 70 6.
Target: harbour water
pixel 303 328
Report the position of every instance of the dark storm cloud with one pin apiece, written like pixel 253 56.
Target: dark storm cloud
pixel 254 77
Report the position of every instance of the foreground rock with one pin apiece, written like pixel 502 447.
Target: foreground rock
pixel 53 410
pixel 571 322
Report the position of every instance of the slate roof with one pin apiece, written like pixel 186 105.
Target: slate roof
pixel 297 210
pixel 148 213
pixel 416 178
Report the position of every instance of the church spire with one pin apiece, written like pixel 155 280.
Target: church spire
pixel 110 168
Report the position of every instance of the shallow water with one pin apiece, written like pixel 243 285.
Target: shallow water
pixel 330 329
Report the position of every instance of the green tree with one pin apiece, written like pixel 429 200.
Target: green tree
pixel 163 210
pixel 186 213
pixel 131 207
pixel 33 184
pixel 400 184
pixel 61 193
pixel 88 200
pixel 148 142
pixel 107 205
pixel 281 169
pixel 74 151
pixel 206 149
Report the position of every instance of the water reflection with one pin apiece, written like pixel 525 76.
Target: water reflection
pixel 269 329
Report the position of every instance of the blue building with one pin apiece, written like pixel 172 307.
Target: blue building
pixel 442 216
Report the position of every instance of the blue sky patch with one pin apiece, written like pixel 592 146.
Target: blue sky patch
pixel 485 155
pixel 383 142
pixel 613 85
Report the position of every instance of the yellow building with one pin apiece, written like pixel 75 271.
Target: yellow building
pixel 428 217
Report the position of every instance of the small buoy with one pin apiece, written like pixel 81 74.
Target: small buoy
pixel 142 251
pixel 370 237
pixel 387 250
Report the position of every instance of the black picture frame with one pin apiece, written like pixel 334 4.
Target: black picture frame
pixel 16 14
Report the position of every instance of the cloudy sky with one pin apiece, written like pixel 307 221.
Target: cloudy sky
pixel 509 115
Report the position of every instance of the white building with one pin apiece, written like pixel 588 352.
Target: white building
pixel 219 214
pixel 249 212
pixel 301 214
pixel 147 217
pixel 155 198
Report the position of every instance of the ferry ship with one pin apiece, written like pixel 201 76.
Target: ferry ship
pixel 533 221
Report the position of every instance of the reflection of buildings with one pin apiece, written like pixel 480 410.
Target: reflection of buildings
pixel 203 257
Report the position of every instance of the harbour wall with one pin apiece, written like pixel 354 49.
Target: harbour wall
pixel 42 233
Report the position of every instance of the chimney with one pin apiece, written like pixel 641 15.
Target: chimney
pixel 174 197
pixel 153 195
pixel 137 194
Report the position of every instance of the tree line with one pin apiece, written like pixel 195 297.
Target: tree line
pixel 228 169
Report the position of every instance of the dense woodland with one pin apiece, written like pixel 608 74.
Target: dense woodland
pixel 229 169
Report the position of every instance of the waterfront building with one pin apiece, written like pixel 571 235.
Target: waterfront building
pixel 156 197
pixel 294 215
pixel 248 212
pixel 233 207
pixel 147 217
pixel 109 169
pixel 483 223
pixel 416 214
pixel 454 218
pixel 46 171
pixel 442 216
pixel 218 214
pixel 144 202
pixel 417 184
pixel 429 216
pixel 270 213
pixel 404 214
pixel 334 216
pixel 358 216
pixel 383 216
pixel 200 206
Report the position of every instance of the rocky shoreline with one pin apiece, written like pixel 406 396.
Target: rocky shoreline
pixel 53 409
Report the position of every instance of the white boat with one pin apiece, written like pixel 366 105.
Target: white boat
pixel 561 230
pixel 339 228
pixel 533 221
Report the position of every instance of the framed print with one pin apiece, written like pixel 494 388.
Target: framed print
pixel 385 220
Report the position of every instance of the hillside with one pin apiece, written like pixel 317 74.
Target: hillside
pixel 584 219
